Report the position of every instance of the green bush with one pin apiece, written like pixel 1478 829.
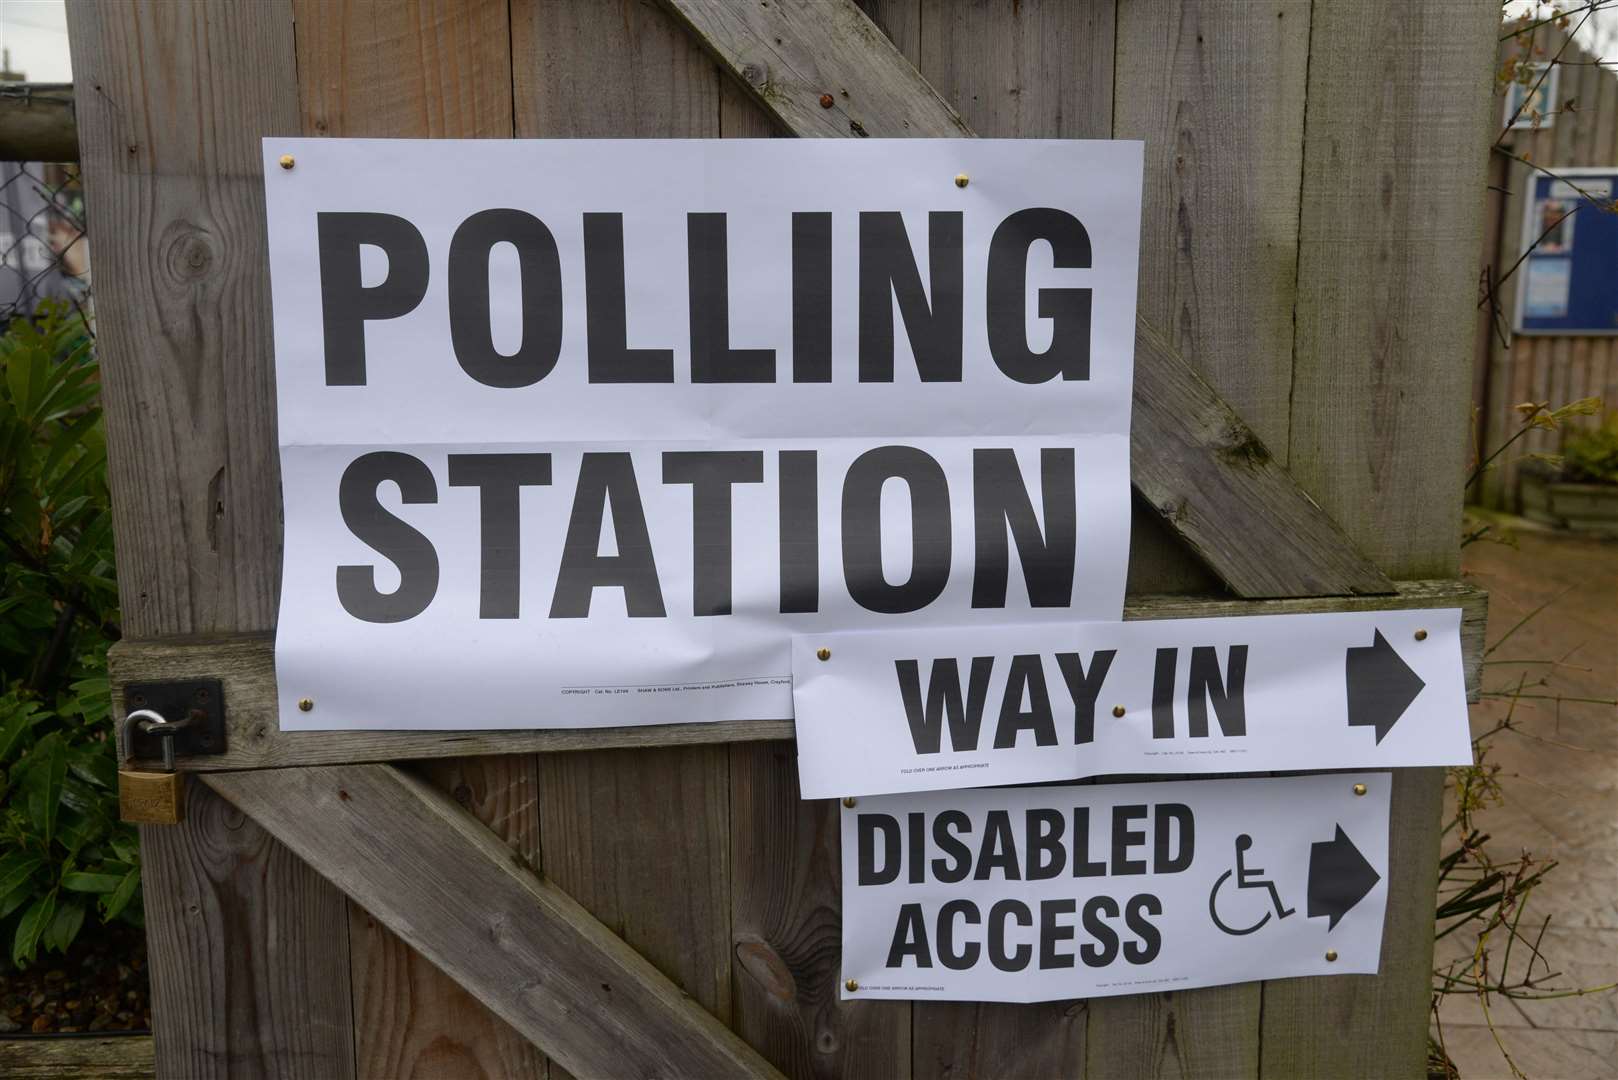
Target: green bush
pixel 1590 456
pixel 62 847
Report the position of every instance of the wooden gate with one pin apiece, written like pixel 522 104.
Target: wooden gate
pixel 658 901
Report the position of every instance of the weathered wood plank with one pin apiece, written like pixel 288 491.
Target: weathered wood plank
pixel 446 884
pixel 404 68
pixel 787 932
pixel 217 887
pixel 410 1018
pixel 1195 462
pixel 788 55
pixel 246 664
pixel 1215 89
pixel 37 123
pixel 623 827
pixel 249 948
pixel 1390 222
pixel 1194 459
pixel 112 1057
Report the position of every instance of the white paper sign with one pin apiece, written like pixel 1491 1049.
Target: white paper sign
pixel 1037 894
pixel 577 433
pixel 945 708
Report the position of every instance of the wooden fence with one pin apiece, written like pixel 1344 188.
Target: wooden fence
pixel 1509 369
pixel 1311 218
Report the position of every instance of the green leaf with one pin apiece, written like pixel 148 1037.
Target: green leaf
pixel 46 766
pixel 25 945
pixel 83 881
pixel 64 927
pixel 94 764
pixel 112 905
pixel 16 868
pixel 11 729
pixel 15 899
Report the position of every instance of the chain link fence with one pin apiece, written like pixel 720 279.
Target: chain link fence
pixel 44 253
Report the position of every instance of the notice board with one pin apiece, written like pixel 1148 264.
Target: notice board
pixel 1569 283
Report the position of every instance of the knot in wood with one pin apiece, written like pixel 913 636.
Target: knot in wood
pixel 755 75
pixel 766 967
pixel 1238 444
pixel 188 253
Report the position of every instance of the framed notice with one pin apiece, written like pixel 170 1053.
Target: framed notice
pixel 1569 282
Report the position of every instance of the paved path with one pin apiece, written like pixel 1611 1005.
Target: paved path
pixel 1560 779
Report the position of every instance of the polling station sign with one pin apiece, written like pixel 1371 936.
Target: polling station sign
pixel 594 426
pixel 947 708
pixel 1038 894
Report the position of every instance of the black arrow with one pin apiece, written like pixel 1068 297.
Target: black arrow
pixel 1339 877
pixel 1381 686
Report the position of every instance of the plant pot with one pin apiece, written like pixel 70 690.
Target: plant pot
pixel 1585 508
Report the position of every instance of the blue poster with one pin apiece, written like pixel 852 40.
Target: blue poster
pixel 1570 279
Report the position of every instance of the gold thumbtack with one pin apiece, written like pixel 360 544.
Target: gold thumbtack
pixel 1359 789
pixel 1421 635
pixel 848 801
pixel 287 161
pixel 1117 710
pixel 961 179
pixel 851 985
pixel 306 705
pixel 823 654
pixel 1331 955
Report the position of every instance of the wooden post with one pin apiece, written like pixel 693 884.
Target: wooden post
pixel 249 947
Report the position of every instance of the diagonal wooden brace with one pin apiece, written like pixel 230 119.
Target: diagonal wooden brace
pixel 1193 458
pixel 444 883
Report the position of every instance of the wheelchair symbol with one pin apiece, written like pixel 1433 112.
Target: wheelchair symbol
pixel 1246 878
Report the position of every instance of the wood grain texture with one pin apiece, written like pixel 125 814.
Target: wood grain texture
pixel 246 664
pixel 1035 69
pixel 249 948
pixel 624 826
pixel 39 125
pixel 248 951
pixel 1198 446
pixel 1390 223
pixel 404 68
pixel 182 292
pixel 1216 92
pixel 113 1057
pixel 614 69
pixel 451 888
pixel 787 932
pixel 412 1020
pixel 787 55
pixel 1202 468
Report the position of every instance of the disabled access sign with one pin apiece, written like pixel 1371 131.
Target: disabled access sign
pixel 1044 893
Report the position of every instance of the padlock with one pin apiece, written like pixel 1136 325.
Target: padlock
pixel 150 798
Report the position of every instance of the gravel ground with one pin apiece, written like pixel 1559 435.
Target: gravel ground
pixel 98 985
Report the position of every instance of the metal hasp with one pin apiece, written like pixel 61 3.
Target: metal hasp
pixel 196 706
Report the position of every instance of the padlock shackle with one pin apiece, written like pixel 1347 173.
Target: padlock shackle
pixel 151 721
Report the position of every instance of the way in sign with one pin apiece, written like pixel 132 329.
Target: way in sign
pixel 949 708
